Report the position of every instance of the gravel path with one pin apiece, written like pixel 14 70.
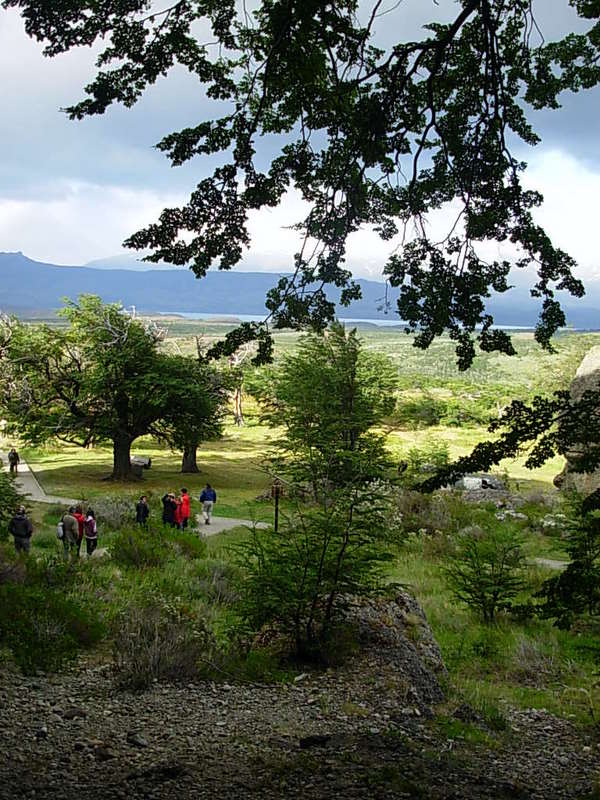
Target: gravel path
pixel 220 524
pixel 27 483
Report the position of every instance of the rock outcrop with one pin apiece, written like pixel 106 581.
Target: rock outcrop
pixel 587 377
pixel 397 641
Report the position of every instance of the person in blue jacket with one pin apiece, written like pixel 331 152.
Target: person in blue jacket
pixel 208 498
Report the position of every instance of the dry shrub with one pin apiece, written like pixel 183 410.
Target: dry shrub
pixel 437 545
pixel 114 511
pixel 533 664
pixel 156 642
pixel 424 513
pixel 218 581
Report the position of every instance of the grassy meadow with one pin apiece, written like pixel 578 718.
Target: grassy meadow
pixel 528 664
pixel 428 379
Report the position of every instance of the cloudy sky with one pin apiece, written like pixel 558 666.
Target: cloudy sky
pixel 70 192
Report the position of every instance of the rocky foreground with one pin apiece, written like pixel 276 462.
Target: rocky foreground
pixel 364 731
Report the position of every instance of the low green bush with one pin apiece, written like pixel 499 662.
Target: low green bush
pixel 52 514
pixel 44 628
pixel 53 572
pixel 189 545
pixel 46 541
pixel 292 578
pixel 12 570
pixel 486 644
pixel 138 547
pixel 424 461
pixel 575 592
pixel 420 412
pixel 423 513
pixel 235 663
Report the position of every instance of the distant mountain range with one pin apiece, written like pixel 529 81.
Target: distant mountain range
pixel 30 287
pixel 129 262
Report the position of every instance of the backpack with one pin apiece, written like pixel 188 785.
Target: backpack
pixel 89 528
pixel 60 530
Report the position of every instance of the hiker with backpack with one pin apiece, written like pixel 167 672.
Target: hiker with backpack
pixel 90 531
pixel 70 532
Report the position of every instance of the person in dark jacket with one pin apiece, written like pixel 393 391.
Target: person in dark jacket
pixel 169 509
pixel 13 460
pixel 142 511
pixel 208 498
pixel 22 529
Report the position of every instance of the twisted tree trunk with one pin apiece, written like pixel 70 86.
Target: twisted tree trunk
pixel 122 458
pixel 188 461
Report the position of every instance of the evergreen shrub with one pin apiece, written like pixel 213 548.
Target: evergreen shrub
pixel 485 572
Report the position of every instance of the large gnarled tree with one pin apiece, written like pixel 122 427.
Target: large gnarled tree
pixel 101 379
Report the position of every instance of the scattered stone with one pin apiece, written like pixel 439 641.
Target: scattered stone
pixel 553 521
pixel 136 739
pixel 159 773
pixel 42 732
pixel 314 741
pixel 103 754
pixel 510 513
pixel 483 481
pixel 75 713
pixel 307 739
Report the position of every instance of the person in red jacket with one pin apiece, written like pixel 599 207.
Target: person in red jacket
pixel 80 517
pixel 185 509
pixel 178 517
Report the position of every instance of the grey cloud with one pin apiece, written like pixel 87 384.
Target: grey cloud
pixel 41 148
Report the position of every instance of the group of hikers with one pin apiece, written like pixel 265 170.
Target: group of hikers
pixel 73 528
pixel 177 508
pixel 76 525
